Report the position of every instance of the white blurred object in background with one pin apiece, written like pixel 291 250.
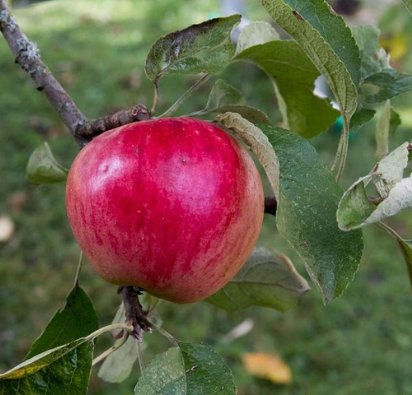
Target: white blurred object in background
pixel 230 7
pixel 6 228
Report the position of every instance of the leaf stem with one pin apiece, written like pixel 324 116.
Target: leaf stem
pixel 112 349
pixel 166 334
pixel 79 269
pixel 399 240
pixel 185 95
pixel 197 113
pixel 391 232
pixel 156 96
pixel 342 152
pixel 140 356
pixel 109 328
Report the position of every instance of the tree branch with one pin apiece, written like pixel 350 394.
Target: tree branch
pixel 27 55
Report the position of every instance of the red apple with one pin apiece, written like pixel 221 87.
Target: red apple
pixel 174 206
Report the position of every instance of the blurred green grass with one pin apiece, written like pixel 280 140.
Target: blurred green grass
pixel 359 344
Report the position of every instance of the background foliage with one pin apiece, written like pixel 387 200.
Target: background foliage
pixel 359 343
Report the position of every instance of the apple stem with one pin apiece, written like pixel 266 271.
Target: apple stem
pixel 135 315
pixel 93 128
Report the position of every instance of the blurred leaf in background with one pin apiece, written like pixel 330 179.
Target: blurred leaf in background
pixel 267 366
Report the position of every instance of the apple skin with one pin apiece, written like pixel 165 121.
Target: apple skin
pixel 173 205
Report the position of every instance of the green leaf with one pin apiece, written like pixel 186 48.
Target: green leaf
pixel 225 98
pixel 405 247
pixel 361 117
pixel 384 85
pixel 306 214
pixel 252 114
pixel 329 44
pixel 382 131
pixel 223 94
pixel 206 47
pixel 408 4
pixel 394 192
pixel 118 365
pixel 367 39
pixel 327 41
pixel 254 138
pixel 355 206
pixel 43 168
pixel 394 122
pixel 373 59
pixel 164 375
pixel 267 279
pixel 74 320
pixel 206 371
pixel 388 121
pixel 256 33
pixel 63 370
pixel 294 75
pixel 380 81
pixel 187 369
